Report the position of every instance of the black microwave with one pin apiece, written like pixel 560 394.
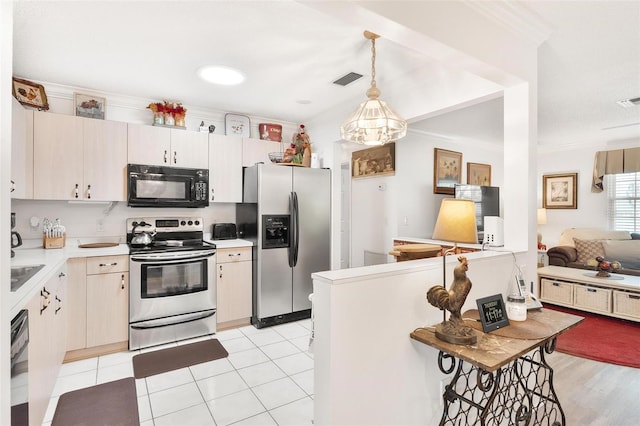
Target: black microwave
pixel 160 186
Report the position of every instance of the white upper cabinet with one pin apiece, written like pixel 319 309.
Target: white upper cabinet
pixel 225 169
pixel 162 146
pixel 78 158
pixel 21 151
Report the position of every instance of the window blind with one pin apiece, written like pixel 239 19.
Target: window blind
pixel 623 194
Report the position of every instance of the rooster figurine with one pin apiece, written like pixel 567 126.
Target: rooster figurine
pixel 454 330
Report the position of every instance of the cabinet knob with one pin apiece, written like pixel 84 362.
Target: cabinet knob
pixel 107 264
pixel 59 301
pixel 175 157
pixel 62 274
pixel 122 282
pixel 212 194
pixel 220 271
pixel 165 155
pixel 13 186
pixel 89 192
pixel 76 191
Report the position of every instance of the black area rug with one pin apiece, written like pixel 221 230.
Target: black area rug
pixel 164 360
pixel 112 403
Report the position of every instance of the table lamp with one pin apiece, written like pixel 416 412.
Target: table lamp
pixel 541 220
pixel 456 223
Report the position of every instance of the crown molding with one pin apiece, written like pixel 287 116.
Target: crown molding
pixel 514 16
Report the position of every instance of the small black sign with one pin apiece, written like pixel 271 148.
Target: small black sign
pixel 493 315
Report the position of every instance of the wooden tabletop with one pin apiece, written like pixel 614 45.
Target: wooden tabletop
pixel 500 347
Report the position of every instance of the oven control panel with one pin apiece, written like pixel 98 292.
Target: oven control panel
pixel 165 224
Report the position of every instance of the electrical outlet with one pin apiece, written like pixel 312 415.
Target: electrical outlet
pixel 100 225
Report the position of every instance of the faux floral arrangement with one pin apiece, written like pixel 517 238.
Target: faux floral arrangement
pixel 300 148
pixel 168 113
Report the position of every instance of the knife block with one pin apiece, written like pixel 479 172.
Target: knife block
pixel 54 242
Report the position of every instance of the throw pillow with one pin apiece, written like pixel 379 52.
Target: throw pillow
pixel 627 252
pixel 635 236
pixel 588 249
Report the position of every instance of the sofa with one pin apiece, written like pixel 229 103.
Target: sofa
pixel 579 247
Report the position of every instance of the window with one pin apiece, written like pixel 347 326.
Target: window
pixel 623 193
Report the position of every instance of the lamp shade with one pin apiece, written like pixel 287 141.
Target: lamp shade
pixel 373 123
pixel 456 221
pixel 542 216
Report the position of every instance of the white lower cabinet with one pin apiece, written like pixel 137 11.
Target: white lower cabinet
pixel 233 281
pixel 47 342
pixel 99 314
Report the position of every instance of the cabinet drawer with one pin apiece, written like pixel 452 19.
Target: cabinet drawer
pixel 555 291
pixel 627 304
pixel 239 254
pixel 592 298
pixel 107 264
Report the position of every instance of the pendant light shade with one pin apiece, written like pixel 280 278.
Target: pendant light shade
pixel 373 122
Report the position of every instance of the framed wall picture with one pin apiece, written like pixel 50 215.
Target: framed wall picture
pixel 560 191
pixel 479 174
pixel 30 93
pixel 377 161
pixel 447 170
pixel 89 106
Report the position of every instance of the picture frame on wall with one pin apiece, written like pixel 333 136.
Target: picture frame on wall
pixel 29 93
pixel 447 171
pixel 479 174
pixel 377 161
pixel 89 106
pixel 560 191
pixel 239 125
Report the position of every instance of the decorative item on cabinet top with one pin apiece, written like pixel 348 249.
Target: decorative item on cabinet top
pixel 89 106
pixel 30 93
pixel 270 132
pixel 167 114
pixel 237 125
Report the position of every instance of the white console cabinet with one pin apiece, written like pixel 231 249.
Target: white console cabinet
pixel 616 296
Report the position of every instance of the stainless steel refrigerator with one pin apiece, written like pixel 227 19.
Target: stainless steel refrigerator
pixel 286 212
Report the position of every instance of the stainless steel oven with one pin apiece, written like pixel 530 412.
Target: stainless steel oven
pixel 172 285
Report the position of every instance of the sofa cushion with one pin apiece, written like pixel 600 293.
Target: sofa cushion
pixel 627 252
pixel 588 249
pixel 567 236
pixel 635 236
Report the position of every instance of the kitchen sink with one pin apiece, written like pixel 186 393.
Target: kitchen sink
pixel 21 274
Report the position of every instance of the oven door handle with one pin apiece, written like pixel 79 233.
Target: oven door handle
pixel 174 256
pixel 166 322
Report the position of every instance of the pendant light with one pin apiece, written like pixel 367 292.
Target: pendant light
pixel 373 122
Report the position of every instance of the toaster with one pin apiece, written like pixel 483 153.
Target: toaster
pixel 224 231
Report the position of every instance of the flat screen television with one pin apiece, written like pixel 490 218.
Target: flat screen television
pixel 486 199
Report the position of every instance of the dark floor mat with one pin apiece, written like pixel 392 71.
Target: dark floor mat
pixel 112 403
pixel 164 360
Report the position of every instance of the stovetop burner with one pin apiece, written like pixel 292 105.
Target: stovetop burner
pixel 170 234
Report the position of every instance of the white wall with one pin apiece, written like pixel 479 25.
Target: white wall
pixel 368 371
pixel 6 67
pixel 379 205
pixel 592 207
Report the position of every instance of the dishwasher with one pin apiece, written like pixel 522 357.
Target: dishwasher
pixel 20 369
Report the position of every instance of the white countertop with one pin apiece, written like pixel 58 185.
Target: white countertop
pixel 222 244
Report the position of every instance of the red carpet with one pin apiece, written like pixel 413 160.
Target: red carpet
pixel 601 338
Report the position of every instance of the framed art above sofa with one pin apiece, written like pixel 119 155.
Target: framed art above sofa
pixel 560 191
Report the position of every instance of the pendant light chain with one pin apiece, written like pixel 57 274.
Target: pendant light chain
pixel 373 62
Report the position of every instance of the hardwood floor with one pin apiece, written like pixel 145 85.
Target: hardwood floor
pixel 596 393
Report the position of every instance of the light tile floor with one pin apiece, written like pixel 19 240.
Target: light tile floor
pixel 266 380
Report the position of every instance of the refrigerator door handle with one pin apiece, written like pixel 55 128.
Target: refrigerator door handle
pixel 296 227
pixel 292 235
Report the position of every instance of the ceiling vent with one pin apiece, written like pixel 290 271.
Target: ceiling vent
pixel 629 103
pixel 347 79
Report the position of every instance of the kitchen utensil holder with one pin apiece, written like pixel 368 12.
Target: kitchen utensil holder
pixel 54 242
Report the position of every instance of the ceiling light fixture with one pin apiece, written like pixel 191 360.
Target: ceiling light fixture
pixel 373 122
pixel 221 75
